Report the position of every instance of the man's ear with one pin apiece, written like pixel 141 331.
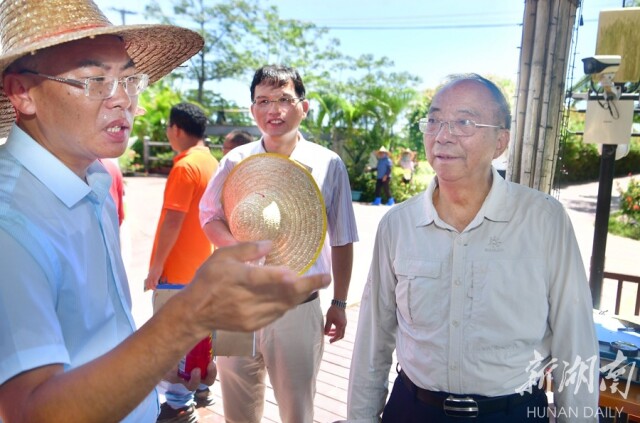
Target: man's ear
pixel 16 87
pixel 305 107
pixel 503 142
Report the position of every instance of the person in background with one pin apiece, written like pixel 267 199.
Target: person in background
pixel 117 186
pixel 408 164
pixel 290 349
pixel 69 349
pixel 235 139
pixel 477 284
pixel 180 246
pixel 383 177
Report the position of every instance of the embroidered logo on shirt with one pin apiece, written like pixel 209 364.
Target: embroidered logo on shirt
pixel 494 245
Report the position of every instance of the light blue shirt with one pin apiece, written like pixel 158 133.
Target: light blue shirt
pixel 384 167
pixel 64 294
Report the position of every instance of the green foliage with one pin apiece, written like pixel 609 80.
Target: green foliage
pixel 242 35
pixel 580 162
pixel 355 119
pixel 619 225
pixel 369 106
pixel 630 201
pixel 577 161
pixel 130 162
pixel 365 182
pixel 402 191
pixel 157 101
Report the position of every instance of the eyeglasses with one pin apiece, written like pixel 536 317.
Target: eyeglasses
pixel 103 87
pixel 263 103
pixel 458 128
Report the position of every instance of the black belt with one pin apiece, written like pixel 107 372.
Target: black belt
pixel 470 406
pixel 311 297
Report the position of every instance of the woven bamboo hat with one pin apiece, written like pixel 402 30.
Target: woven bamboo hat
pixel 382 150
pixel 269 196
pixel 27 26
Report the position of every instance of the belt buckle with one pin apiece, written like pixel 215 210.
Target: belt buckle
pixel 460 407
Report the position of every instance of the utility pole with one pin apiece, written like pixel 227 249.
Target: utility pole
pixel 123 12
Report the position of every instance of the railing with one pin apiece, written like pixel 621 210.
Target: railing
pixel 621 278
pixel 147 158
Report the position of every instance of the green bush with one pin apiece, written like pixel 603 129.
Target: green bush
pixel 630 200
pixel 129 162
pixel 626 221
pixel 365 182
pixel 580 162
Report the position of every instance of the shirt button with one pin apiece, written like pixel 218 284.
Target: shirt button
pixel 453 366
pixel 457 282
pixel 455 323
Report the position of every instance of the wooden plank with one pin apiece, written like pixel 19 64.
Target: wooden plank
pixel 332 383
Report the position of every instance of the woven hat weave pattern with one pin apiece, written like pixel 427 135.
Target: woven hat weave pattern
pixel 27 26
pixel 269 196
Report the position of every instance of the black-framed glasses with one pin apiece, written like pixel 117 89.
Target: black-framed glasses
pixel 458 128
pixel 263 103
pixel 102 87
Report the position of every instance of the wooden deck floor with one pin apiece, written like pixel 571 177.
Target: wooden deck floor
pixel 333 379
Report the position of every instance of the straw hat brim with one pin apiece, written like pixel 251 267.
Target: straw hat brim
pixel 269 196
pixel 155 49
pixel 382 149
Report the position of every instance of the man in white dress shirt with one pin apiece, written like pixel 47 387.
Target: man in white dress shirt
pixel 290 349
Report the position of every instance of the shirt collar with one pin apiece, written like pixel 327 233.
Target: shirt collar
pixel 52 173
pixel 495 207
pixel 298 153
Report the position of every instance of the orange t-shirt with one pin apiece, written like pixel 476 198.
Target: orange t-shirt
pixel 186 183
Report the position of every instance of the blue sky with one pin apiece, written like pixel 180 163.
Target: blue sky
pixel 428 38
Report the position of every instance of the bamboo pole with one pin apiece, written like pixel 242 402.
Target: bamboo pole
pixel 534 96
pixel 546 123
pixel 514 166
pixel 547 31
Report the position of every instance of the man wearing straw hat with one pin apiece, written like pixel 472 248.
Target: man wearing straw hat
pixel 290 349
pixel 383 177
pixel 68 350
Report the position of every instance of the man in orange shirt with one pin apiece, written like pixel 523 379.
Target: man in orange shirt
pixel 180 245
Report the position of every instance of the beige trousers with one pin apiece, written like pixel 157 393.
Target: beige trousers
pixel 290 351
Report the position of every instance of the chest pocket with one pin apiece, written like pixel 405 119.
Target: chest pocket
pixel 420 292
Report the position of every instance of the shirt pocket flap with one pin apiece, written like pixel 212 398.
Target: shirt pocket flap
pixel 417 268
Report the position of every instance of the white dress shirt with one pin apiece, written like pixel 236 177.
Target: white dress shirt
pixel 330 174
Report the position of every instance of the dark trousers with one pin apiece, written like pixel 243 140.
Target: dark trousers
pixel 404 407
pixel 383 185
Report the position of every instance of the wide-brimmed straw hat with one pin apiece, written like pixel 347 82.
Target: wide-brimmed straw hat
pixel 269 196
pixel 27 26
pixel 409 152
pixel 382 149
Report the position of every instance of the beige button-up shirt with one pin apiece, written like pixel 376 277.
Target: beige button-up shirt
pixel 469 312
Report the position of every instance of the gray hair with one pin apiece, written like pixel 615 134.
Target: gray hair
pixel 504 111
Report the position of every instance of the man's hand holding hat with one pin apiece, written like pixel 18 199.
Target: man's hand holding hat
pixel 253 296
